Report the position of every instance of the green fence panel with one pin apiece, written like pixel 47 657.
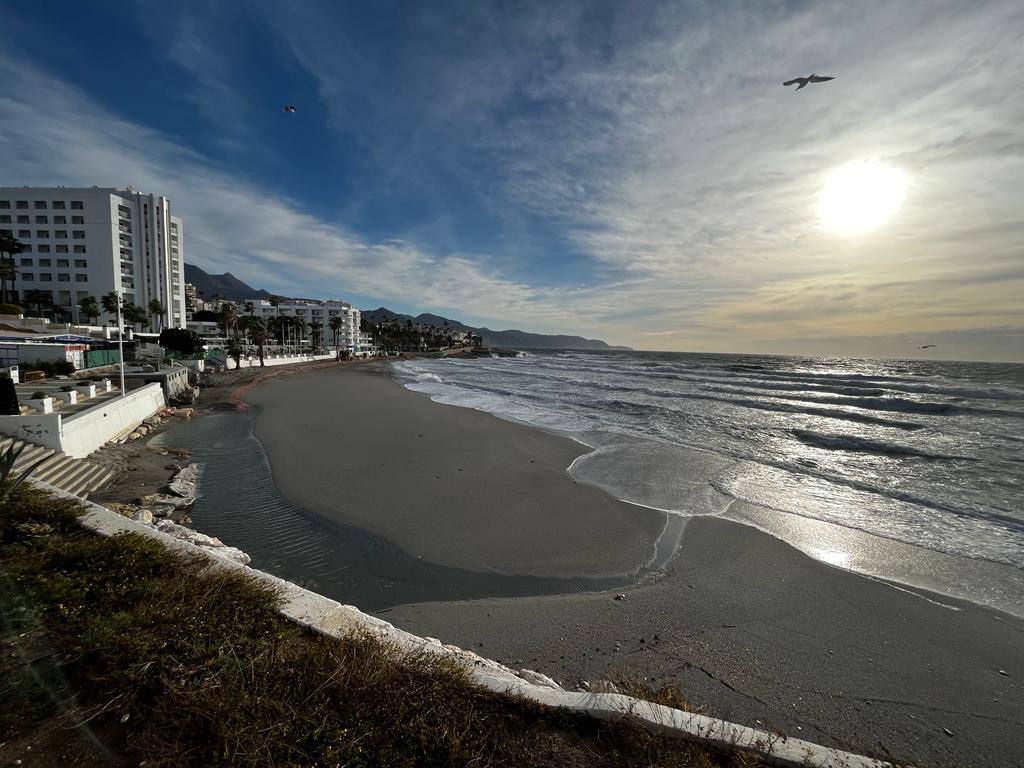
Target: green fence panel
pixel 97 357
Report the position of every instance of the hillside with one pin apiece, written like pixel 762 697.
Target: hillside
pixel 225 286
pixel 509 338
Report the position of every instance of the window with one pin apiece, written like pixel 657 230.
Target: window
pixel 78 234
pixel 63 278
pixel 79 249
pixel 21 205
pixel 78 219
pixel 63 263
pixel 8 232
pixel 26 262
pixel 42 234
pixel 40 205
pixel 42 249
pixel 5 219
pixel 62 249
pixel 81 278
pixel 45 277
pixel 5 205
pixel 26 277
pixel 25 233
pixel 44 262
pixel 23 219
pixel 76 205
pixel 61 234
pixel 42 220
pixel 60 219
pixel 81 263
pixel 58 205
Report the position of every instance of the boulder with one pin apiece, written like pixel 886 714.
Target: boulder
pixel 143 516
pixel 186 482
pixel 536 678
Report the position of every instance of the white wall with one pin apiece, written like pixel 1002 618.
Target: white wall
pixel 269 361
pixel 82 433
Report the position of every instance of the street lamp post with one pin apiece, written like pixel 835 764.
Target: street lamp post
pixel 120 339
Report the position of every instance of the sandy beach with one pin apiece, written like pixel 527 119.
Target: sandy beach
pixel 746 626
pixel 453 486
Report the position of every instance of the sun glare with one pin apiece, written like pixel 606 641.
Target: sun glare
pixel 861 196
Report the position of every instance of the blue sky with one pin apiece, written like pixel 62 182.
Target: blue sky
pixel 630 171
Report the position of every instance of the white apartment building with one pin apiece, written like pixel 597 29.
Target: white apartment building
pixel 315 312
pixel 89 241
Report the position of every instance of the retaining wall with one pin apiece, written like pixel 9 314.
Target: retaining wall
pixel 81 433
pixel 333 619
pixel 271 361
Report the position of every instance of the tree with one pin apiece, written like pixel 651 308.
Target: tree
pixel 235 349
pixel 39 299
pixel 89 307
pixel 228 318
pixel 156 309
pixel 8 247
pixel 250 308
pixel 335 324
pixel 110 302
pixel 186 343
pixel 316 329
pixel 135 315
pixel 300 328
pixel 258 335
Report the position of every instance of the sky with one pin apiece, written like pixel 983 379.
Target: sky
pixel 634 172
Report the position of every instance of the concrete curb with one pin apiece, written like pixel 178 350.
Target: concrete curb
pixel 331 618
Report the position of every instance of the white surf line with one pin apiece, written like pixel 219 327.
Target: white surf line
pixel 332 619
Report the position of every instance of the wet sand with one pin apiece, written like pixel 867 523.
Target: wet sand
pixel 452 486
pixel 751 629
pixel 746 626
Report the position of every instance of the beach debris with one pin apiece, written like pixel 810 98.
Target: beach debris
pixel 947 732
pixel 584 685
pixel 620 597
pixel 1003 672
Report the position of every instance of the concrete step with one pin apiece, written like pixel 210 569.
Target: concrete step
pixel 54 469
pixel 70 476
pixel 96 478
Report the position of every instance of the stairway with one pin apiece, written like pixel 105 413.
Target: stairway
pixel 78 476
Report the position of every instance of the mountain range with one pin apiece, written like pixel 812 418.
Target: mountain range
pixel 227 286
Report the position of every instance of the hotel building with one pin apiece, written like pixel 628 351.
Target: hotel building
pixel 89 241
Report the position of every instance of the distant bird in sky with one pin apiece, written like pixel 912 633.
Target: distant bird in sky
pixel 926 346
pixel 289 107
pixel 803 81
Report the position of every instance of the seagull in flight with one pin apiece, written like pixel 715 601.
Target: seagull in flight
pixel 926 346
pixel 804 81
pixel 289 107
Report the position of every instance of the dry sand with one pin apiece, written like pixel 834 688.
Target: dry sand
pixel 450 485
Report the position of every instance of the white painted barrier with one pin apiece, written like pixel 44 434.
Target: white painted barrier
pixel 332 619
pixel 271 361
pixel 81 433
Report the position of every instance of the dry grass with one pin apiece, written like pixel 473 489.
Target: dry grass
pixel 152 656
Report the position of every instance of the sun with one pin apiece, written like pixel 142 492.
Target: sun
pixel 861 196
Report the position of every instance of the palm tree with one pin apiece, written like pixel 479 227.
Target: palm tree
pixel 316 330
pixel 135 315
pixel 89 307
pixel 156 309
pixel 8 247
pixel 235 349
pixel 250 308
pixel 258 335
pixel 335 324
pixel 39 299
pixel 110 302
pixel 300 328
pixel 228 318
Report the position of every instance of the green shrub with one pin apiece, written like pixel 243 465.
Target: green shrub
pixel 67 388
pixel 39 395
pixel 51 367
pixel 11 309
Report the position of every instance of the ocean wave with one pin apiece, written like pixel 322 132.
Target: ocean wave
pixel 865 445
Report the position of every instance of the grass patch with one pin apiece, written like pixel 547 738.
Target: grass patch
pixel 143 654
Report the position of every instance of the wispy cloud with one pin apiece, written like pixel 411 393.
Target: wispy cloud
pixel 672 170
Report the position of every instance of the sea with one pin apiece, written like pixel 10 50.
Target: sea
pixel 907 470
